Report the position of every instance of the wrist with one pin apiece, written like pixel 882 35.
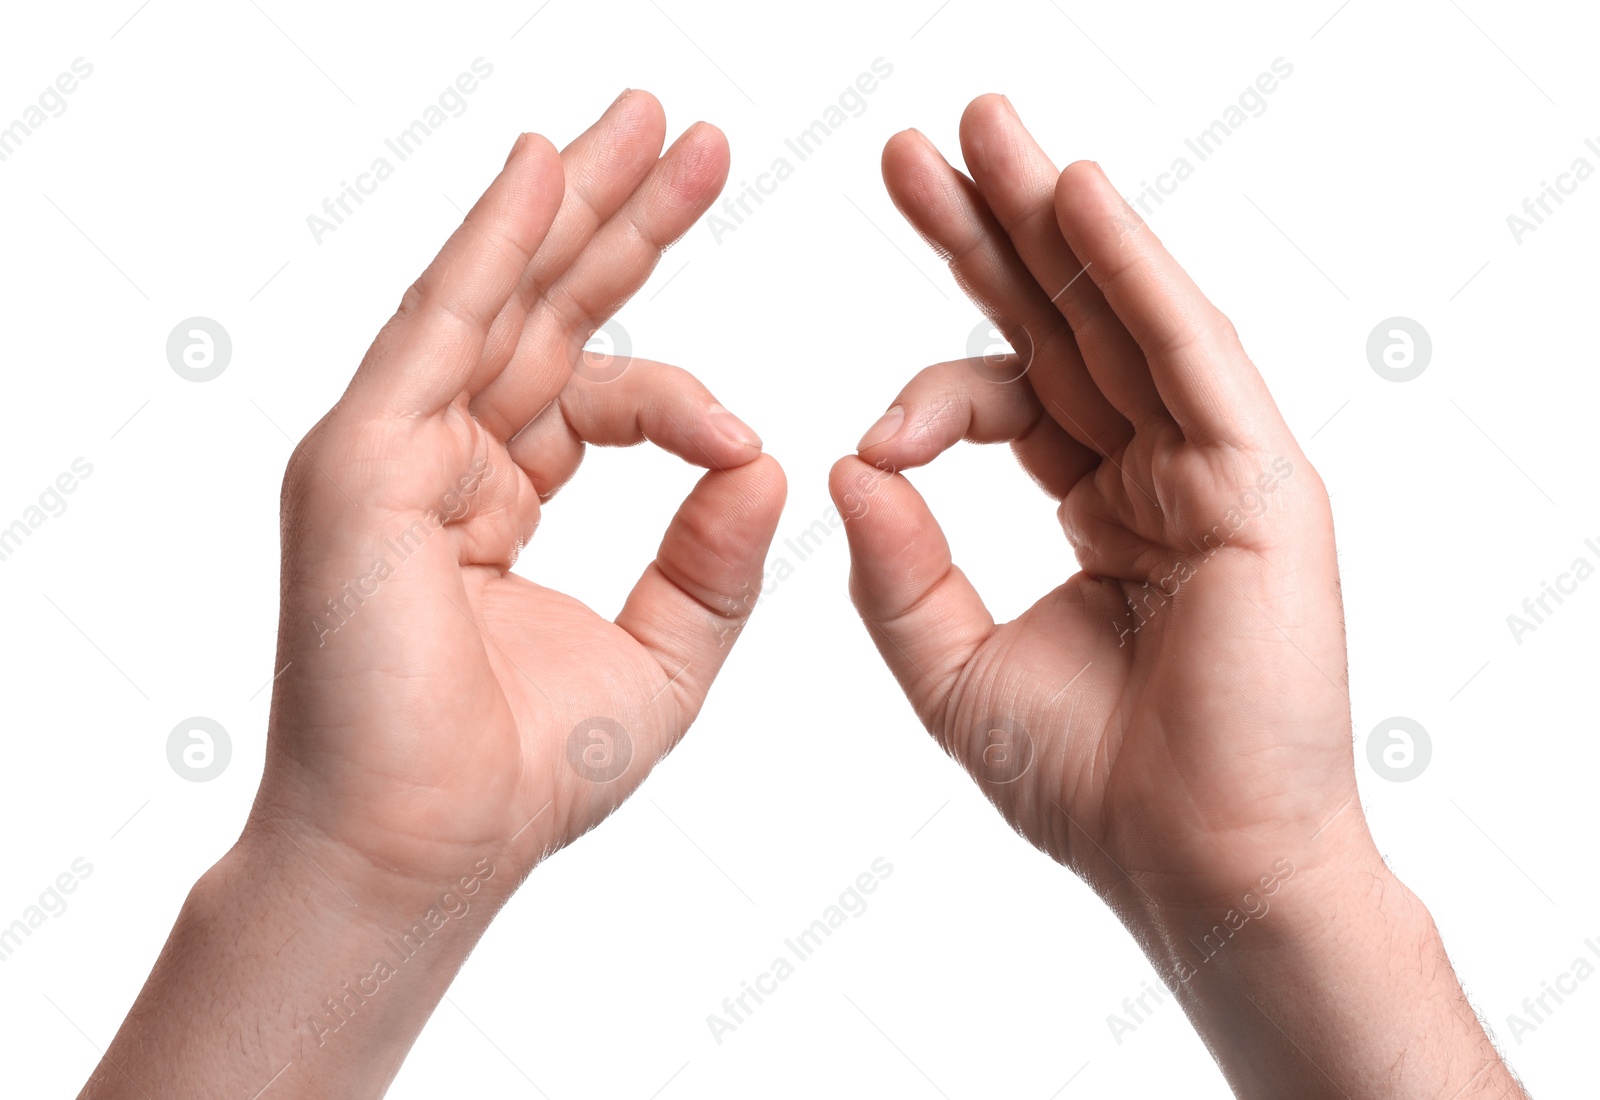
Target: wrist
pixel 379 874
pixel 345 905
pixel 1300 904
pixel 1332 981
pixel 288 966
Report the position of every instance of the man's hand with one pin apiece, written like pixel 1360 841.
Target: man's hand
pixel 1173 721
pixel 440 724
pixel 1183 696
pixel 450 704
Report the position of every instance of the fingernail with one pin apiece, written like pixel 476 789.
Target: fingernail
pixel 732 428
pixel 521 140
pixel 884 430
pixel 626 92
pixel 1010 107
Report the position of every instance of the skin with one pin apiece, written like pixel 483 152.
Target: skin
pixel 426 739
pixel 1173 721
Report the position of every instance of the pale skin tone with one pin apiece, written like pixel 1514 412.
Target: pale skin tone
pixel 434 729
pixel 430 731
pixel 1187 736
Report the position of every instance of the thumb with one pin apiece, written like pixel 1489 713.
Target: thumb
pixel 694 599
pixel 924 615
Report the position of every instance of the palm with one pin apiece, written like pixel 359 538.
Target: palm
pixel 598 713
pixel 1127 727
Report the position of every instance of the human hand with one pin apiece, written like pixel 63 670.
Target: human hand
pixel 1172 721
pixel 431 717
pixel 439 723
pixel 433 704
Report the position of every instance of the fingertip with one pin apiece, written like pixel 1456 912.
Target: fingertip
pixel 903 142
pixel 1072 187
pixel 840 468
pixel 838 478
pixel 840 472
pixel 537 181
pixel 700 162
pixel 989 108
pixel 1081 177
pixel 538 156
pixel 1088 206
pixel 732 430
pixel 533 180
pixel 755 495
pixel 894 151
pixel 531 149
pixel 767 475
pixel 516 147
pixel 884 429
pixel 642 106
pixel 924 186
pixel 748 499
pixel 537 146
pixel 715 143
pixel 993 137
pixel 905 154
pixel 853 482
pixel 708 132
pixel 634 121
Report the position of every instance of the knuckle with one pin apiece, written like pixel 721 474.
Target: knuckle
pixel 411 301
pixel 1220 329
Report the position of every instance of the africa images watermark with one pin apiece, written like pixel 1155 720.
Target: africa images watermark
pixel 1542 204
pixel 850 103
pixel 1250 103
pixel 338 1010
pixel 354 593
pixel 1136 1011
pixel 1536 609
pixel 852 902
pixel 1252 906
pixel 51 503
pixel 52 903
pixel 1253 503
pixel 50 103
pixel 450 103
pixel 1537 1009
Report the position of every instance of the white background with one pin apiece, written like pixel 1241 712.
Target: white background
pixel 1377 183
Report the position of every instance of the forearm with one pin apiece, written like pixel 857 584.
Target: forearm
pixel 1340 988
pixel 292 966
